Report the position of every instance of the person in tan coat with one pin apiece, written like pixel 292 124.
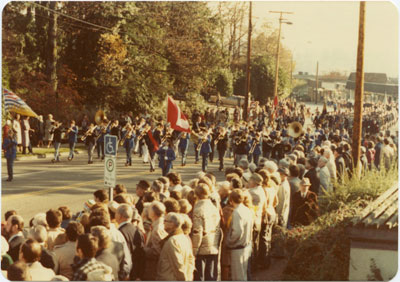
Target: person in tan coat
pixel 206 236
pixel 176 262
pixel 153 243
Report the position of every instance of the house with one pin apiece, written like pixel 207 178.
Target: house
pixel 376 86
pixel 374 240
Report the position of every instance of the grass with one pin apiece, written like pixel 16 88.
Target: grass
pixel 321 251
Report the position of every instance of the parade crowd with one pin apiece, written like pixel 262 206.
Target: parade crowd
pixel 284 159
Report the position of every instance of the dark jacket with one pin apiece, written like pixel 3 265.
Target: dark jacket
pixel 313 175
pixel 48 259
pixel 135 240
pixel 305 210
pixel 14 245
pixel 222 144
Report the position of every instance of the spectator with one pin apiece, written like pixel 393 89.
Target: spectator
pixel 305 208
pixel 105 253
pixel 176 261
pixel 47 258
pixel 154 242
pixel 54 219
pixel 14 227
pixel 66 216
pixel 282 209
pixel 175 181
pixel 30 253
pixel 239 236
pixel 324 176
pixel 19 271
pixel 142 187
pixel 65 253
pixel 86 249
pixel 313 175
pixel 101 196
pixel 206 235
pixel 134 239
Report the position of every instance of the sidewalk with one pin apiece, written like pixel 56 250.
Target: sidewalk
pixel 45 153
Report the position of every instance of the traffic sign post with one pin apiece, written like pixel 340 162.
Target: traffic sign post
pixel 110 163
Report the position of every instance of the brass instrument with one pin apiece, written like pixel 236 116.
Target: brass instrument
pixel 129 133
pixel 99 117
pixel 144 132
pixel 253 146
pixel 295 129
pixel 89 131
pixel 203 138
pixel 167 135
pixel 240 140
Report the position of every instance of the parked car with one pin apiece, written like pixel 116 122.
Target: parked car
pixel 233 100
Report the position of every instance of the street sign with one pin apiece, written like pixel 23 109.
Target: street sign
pixel 110 165
pixel 110 161
pixel 110 145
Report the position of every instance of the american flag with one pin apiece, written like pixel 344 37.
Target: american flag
pixel 13 103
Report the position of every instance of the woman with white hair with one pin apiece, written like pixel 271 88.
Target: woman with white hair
pixel 328 154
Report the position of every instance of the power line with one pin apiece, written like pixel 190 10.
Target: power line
pixel 73 18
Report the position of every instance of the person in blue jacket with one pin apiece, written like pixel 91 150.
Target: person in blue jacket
pixel 166 156
pixel 183 146
pixel 10 152
pixel 72 138
pixel 256 141
pixel 205 148
pixel 129 143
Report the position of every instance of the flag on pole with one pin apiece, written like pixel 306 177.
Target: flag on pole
pixel 175 117
pixel 276 101
pixel 152 140
pixel 13 103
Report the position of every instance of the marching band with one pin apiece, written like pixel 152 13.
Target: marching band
pixel 261 137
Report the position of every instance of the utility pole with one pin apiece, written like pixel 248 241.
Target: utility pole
pixel 52 53
pixel 316 85
pixel 291 76
pixel 359 90
pixel 246 99
pixel 281 20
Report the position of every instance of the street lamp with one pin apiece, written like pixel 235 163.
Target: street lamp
pixel 281 21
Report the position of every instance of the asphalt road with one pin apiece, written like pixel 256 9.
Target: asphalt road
pixel 40 185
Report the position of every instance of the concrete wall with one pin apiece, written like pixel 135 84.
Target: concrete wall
pixel 360 263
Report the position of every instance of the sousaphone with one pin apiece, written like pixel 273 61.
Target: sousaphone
pixel 295 129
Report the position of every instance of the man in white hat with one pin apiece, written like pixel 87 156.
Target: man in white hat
pixel 305 208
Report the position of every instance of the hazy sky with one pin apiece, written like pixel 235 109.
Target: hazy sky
pixel 328 32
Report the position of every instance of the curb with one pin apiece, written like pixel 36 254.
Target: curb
pixel 42 156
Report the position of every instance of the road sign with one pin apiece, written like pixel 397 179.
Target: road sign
pixel 110 145
pixel 110 165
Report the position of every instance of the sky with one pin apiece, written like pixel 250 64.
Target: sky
pixel 327 32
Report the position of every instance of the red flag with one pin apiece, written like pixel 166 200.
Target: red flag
pixel 155 144
pixel 276 101
pixel 176 118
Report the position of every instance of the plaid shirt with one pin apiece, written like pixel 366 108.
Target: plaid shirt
pixel 84 267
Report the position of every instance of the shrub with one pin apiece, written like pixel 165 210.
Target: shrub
pixel 321 251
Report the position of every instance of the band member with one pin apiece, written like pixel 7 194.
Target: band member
pixel 222 145
pixel 205 148
pixel 213 135
pixel 166 156
pixel 129 143
pixel 10 152
pixel 241 147
pixel 115 130
pixel 90 138
pixel 267 143
pixel 104 129
pixel 255 148
pixel 196 130
pixel 72 138
pixel 183 146
pixel 151 144
pixel 56 131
